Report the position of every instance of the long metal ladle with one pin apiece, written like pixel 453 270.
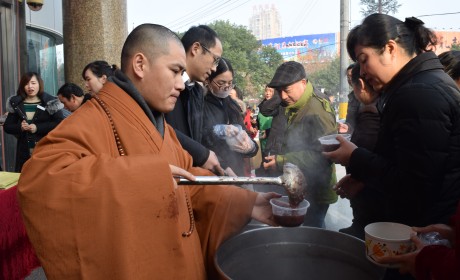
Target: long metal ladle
pixel 292 180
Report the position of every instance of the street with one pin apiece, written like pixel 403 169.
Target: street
pixel 339 214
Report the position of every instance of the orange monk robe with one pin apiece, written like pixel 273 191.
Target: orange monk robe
pixel 93 214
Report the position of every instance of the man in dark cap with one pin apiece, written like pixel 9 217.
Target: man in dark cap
pixel 309 116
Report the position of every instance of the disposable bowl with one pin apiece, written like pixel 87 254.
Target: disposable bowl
pixel 329 142
pixel 387 239
pixel 287 216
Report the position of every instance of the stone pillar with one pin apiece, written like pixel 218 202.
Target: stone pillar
pixel 93 30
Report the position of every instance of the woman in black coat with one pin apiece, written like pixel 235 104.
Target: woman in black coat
pixel 32 113
pixel 416 161
pixel 221 109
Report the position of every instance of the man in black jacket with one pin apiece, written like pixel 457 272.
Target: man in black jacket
pixel 203 52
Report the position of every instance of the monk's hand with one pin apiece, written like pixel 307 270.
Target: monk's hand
pixel 212 164
pixel 343 153
pixel 406 262
pixel 262 210
pixel 179 172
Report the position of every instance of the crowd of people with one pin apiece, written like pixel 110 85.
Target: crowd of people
pixel 98 187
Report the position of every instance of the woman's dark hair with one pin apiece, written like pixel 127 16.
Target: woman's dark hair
pixel 377 29
pixel 451 62
pixel 224 66
pixel 25 79
pixel 68 89
pixel 100 68
pixel 202 34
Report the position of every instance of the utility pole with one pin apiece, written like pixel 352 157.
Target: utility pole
pixel 344 61
pixel 380 6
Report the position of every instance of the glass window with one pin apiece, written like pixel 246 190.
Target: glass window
pixel 45 58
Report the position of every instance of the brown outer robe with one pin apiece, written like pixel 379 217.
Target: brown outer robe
pixel 92 214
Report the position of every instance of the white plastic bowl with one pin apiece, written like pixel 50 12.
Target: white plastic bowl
pixel 329 143
pixel 387 239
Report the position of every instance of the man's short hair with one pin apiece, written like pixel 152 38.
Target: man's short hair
pixel 350 66
pixel 202 34
pixel 68 89
pixel 149 39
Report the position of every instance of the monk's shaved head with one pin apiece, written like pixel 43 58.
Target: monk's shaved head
pixel 150 39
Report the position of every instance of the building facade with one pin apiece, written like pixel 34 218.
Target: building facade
pixel 33 34
pixel 265 22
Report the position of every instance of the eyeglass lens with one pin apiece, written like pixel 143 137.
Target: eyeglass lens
pixel 216 57
pixel 224 85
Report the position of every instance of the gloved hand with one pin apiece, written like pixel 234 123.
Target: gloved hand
pixel 237 139
pixel 224 131
pixel 241 143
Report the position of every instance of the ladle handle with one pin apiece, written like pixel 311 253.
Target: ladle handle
pixel 226 180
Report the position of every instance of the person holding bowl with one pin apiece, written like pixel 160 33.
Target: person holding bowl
pixel 416 161
pixel 432 261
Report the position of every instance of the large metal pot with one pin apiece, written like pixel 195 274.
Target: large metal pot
pixel 295 253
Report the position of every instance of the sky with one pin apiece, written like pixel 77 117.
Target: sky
pixel 298 17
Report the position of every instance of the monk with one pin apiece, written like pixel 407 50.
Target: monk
pixel 98 196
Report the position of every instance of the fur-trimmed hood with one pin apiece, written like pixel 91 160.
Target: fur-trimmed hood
pixel 12 102
pixel 52 104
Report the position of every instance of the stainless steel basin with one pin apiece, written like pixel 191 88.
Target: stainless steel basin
pixel 295 253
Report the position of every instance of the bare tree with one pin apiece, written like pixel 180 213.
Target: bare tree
pixel 379 6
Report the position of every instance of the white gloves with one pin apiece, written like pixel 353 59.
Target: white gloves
pixel 237 139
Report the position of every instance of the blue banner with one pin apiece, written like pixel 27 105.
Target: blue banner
pixel 317 45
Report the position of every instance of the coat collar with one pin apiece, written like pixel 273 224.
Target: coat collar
pixel 422 62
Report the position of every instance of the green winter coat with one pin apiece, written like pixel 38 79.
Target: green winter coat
pixel 308 119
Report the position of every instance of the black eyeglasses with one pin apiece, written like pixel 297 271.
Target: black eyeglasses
pixel 224 85
pixel 216 57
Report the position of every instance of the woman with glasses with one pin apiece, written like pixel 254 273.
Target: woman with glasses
pixel 223 127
